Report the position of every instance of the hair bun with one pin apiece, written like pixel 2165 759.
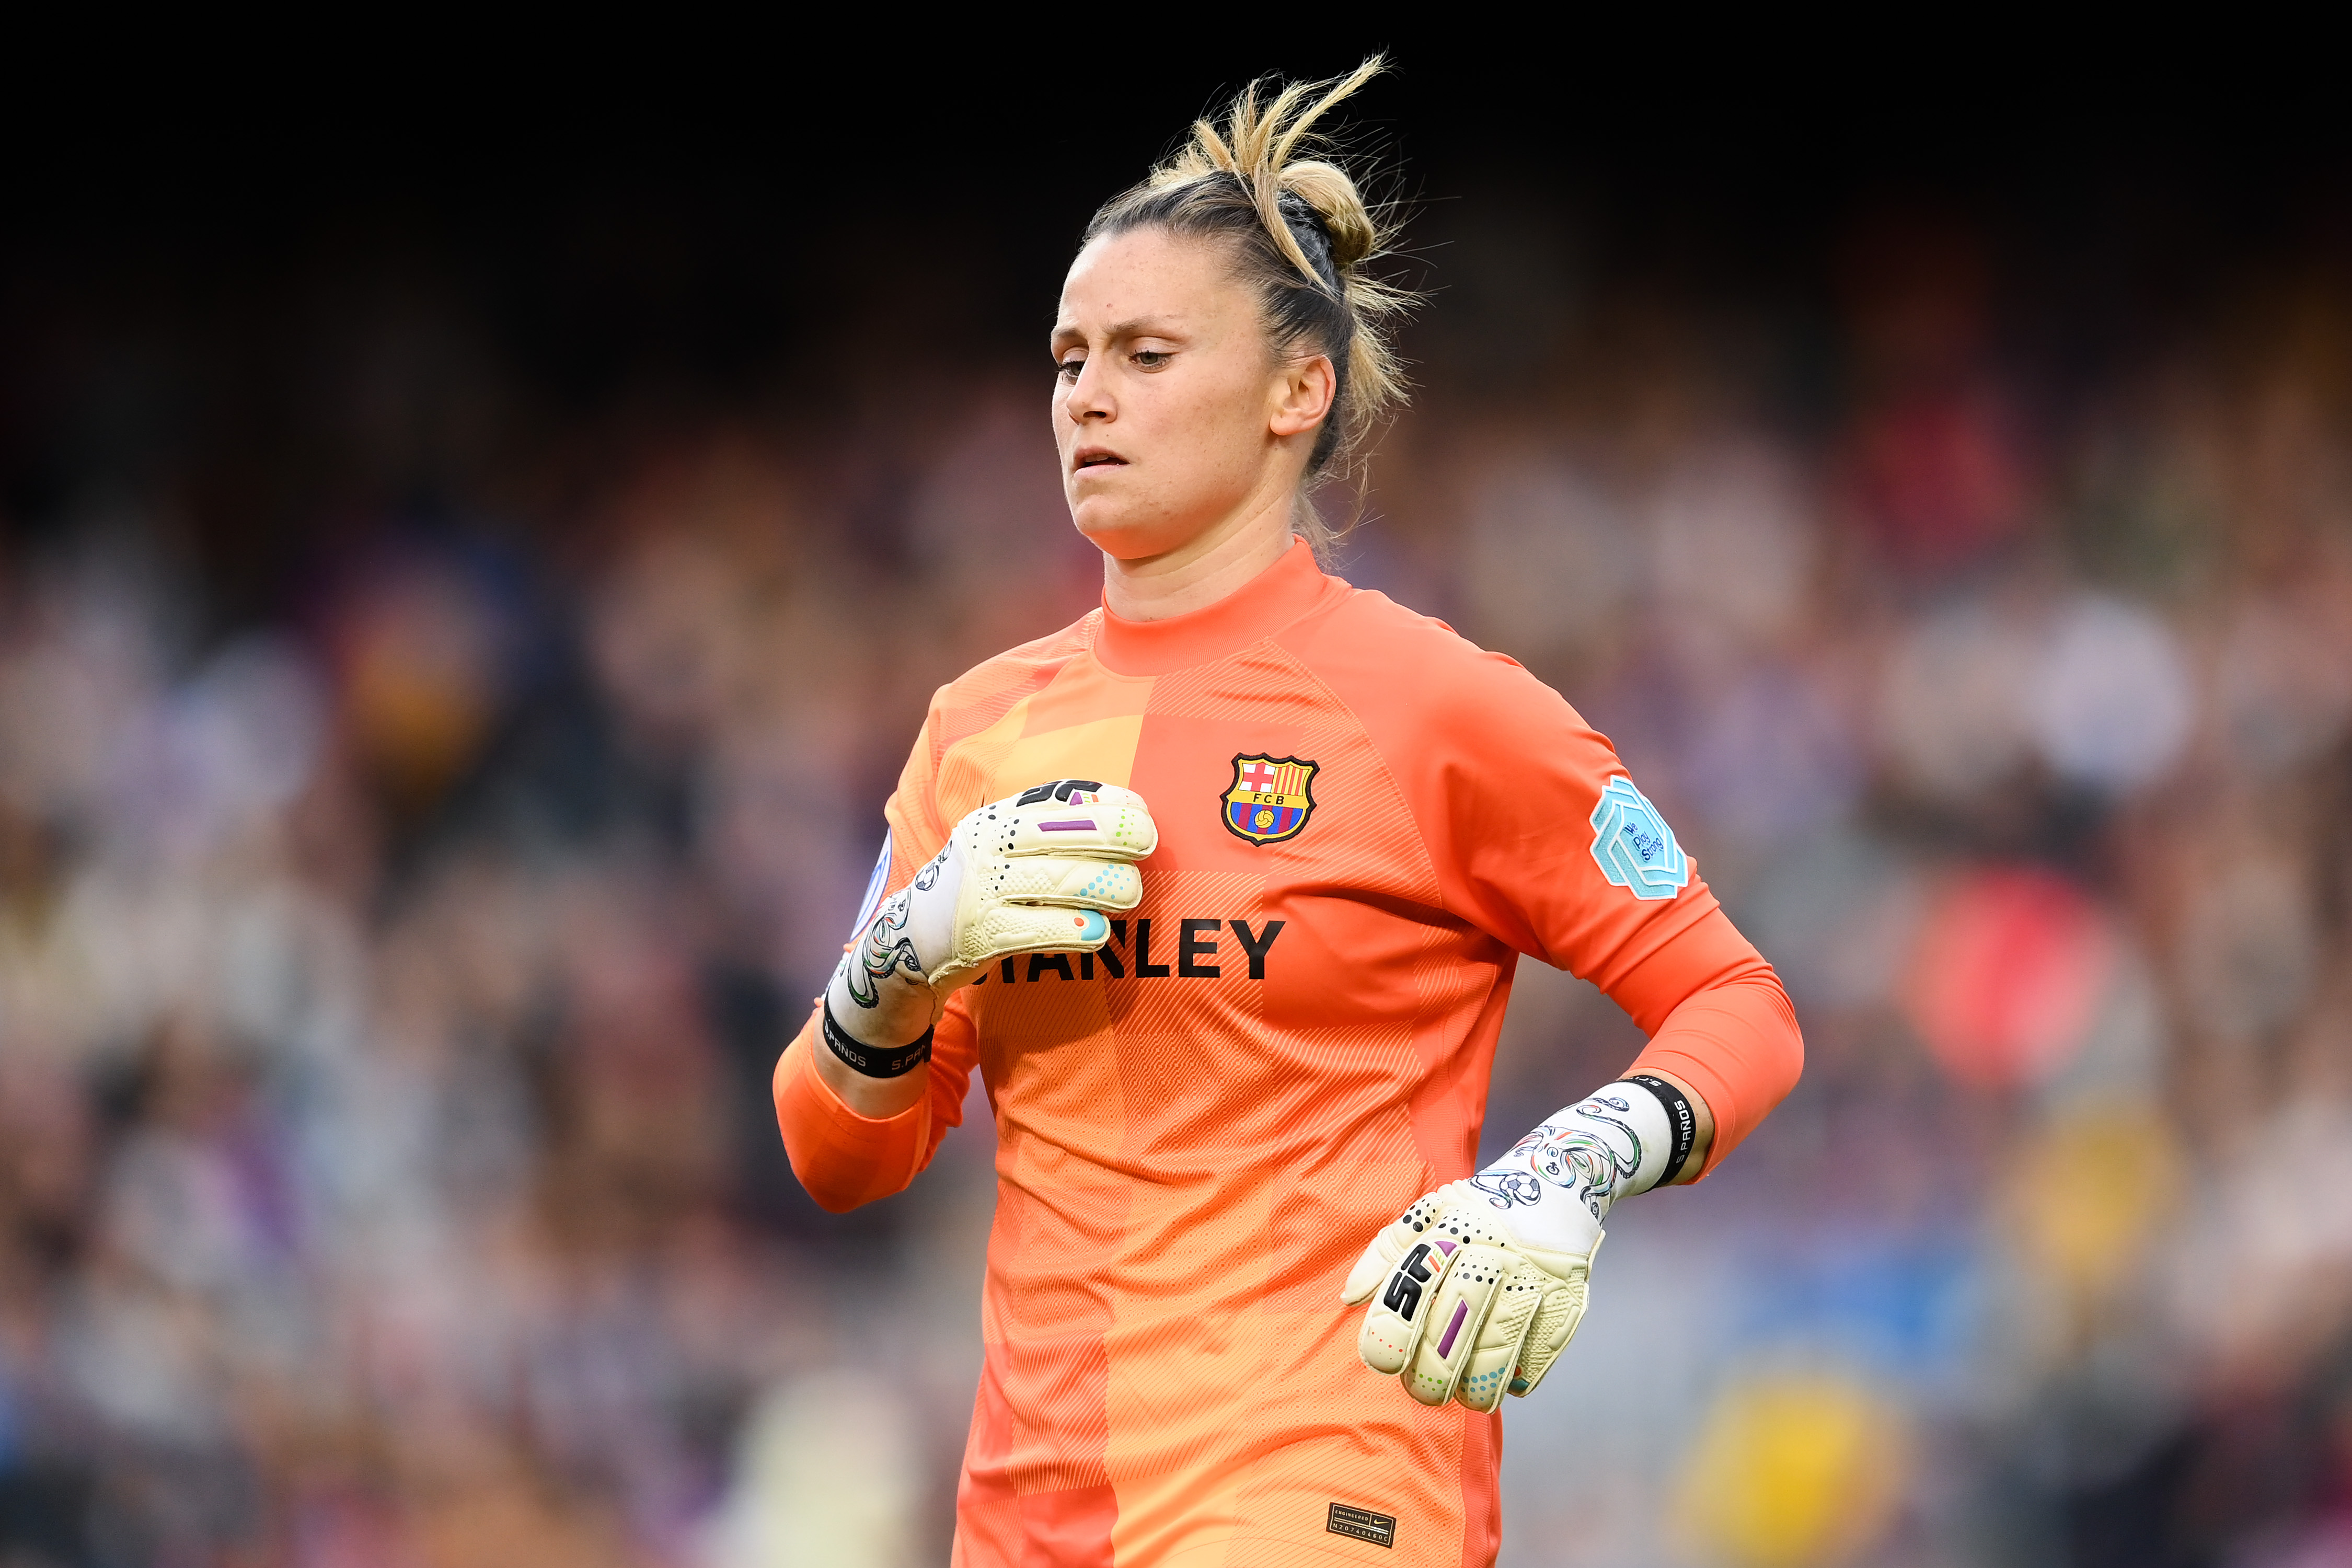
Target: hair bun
pixel 1327 189
pixel 1313 233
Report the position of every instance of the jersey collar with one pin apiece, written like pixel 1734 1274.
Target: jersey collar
pixel 1264 605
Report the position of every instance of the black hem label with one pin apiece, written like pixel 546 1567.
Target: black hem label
pixel 1361 1524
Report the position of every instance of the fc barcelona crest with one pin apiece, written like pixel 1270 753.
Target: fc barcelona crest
pixel 1271 799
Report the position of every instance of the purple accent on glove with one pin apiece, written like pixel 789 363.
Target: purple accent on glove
pixel 1084 822
pixel 1446 1247
pixel 1446 1345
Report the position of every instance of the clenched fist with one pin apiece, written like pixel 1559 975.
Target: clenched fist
pixel 1031 873
pixel 1462 1309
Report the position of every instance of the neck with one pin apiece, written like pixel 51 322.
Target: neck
pixel 1202 571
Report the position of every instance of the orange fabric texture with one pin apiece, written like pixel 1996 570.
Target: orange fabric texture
pixel 1284 1045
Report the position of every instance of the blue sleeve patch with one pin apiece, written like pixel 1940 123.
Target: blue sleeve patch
pixel 1632 845
pixel 875 886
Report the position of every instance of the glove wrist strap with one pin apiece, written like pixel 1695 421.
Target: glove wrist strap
pixel 1679 1116
pixel 871 1061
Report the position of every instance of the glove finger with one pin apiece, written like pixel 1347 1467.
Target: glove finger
pixel 1399 1316
pixel 1068 880
pixel 1555 1318
pixel 1007 929
pixel 1496 1358
pixel 1077 816
pixel 1456 1317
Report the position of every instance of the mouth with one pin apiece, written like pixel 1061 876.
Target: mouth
pixel 1086 458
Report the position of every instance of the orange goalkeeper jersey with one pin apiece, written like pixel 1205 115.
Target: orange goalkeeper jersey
pixel 1364 821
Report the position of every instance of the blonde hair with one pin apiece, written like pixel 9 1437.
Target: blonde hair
pixel 1303 236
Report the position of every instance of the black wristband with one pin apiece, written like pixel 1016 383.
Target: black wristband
pixel 1679 1116
pixel 869 1061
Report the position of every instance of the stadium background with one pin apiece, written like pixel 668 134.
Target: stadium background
pixel 474 563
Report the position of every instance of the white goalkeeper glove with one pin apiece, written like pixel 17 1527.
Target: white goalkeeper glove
pixel 1031 873
pixel 1479 1286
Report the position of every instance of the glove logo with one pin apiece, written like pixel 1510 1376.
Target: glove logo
pixel 1404 1288
pixel 1632 845
pixel 1271 797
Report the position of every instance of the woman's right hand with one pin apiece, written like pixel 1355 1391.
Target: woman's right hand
pixel 1031 873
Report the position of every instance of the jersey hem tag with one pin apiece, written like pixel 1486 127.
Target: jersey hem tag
pixel 1361 1524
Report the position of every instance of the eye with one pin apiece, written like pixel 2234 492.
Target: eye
pixel 1152 359
pixel 1068 369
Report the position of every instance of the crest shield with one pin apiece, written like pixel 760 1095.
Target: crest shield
pixel 1271 797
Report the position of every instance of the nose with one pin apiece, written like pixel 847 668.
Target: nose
pixel 1088 397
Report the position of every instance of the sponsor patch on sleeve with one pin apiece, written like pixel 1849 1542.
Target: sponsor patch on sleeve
pixel 1632 845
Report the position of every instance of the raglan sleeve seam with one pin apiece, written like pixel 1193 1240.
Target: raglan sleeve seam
pixel 1536 948
pixel 934 749
pixel 1388 775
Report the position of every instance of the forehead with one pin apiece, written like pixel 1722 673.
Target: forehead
pixel 1149 272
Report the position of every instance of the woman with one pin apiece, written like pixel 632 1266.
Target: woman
pixel 1221 889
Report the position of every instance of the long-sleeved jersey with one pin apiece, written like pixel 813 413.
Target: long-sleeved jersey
pixel 1364 821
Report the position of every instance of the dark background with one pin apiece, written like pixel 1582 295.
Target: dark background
pixel 630 249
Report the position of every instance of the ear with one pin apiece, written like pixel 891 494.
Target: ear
pixel 1302 395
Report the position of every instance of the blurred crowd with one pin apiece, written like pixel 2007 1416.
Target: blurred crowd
pixel 389 982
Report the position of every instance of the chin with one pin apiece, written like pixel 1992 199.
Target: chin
pixel 1118 534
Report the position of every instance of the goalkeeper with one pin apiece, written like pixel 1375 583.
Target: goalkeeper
pixel 1221 890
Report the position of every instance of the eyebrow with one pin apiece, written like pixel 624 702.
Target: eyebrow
pixel 1144 327
pixel 1137 326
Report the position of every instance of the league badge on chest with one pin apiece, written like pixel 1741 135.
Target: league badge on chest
pixel 1271 798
